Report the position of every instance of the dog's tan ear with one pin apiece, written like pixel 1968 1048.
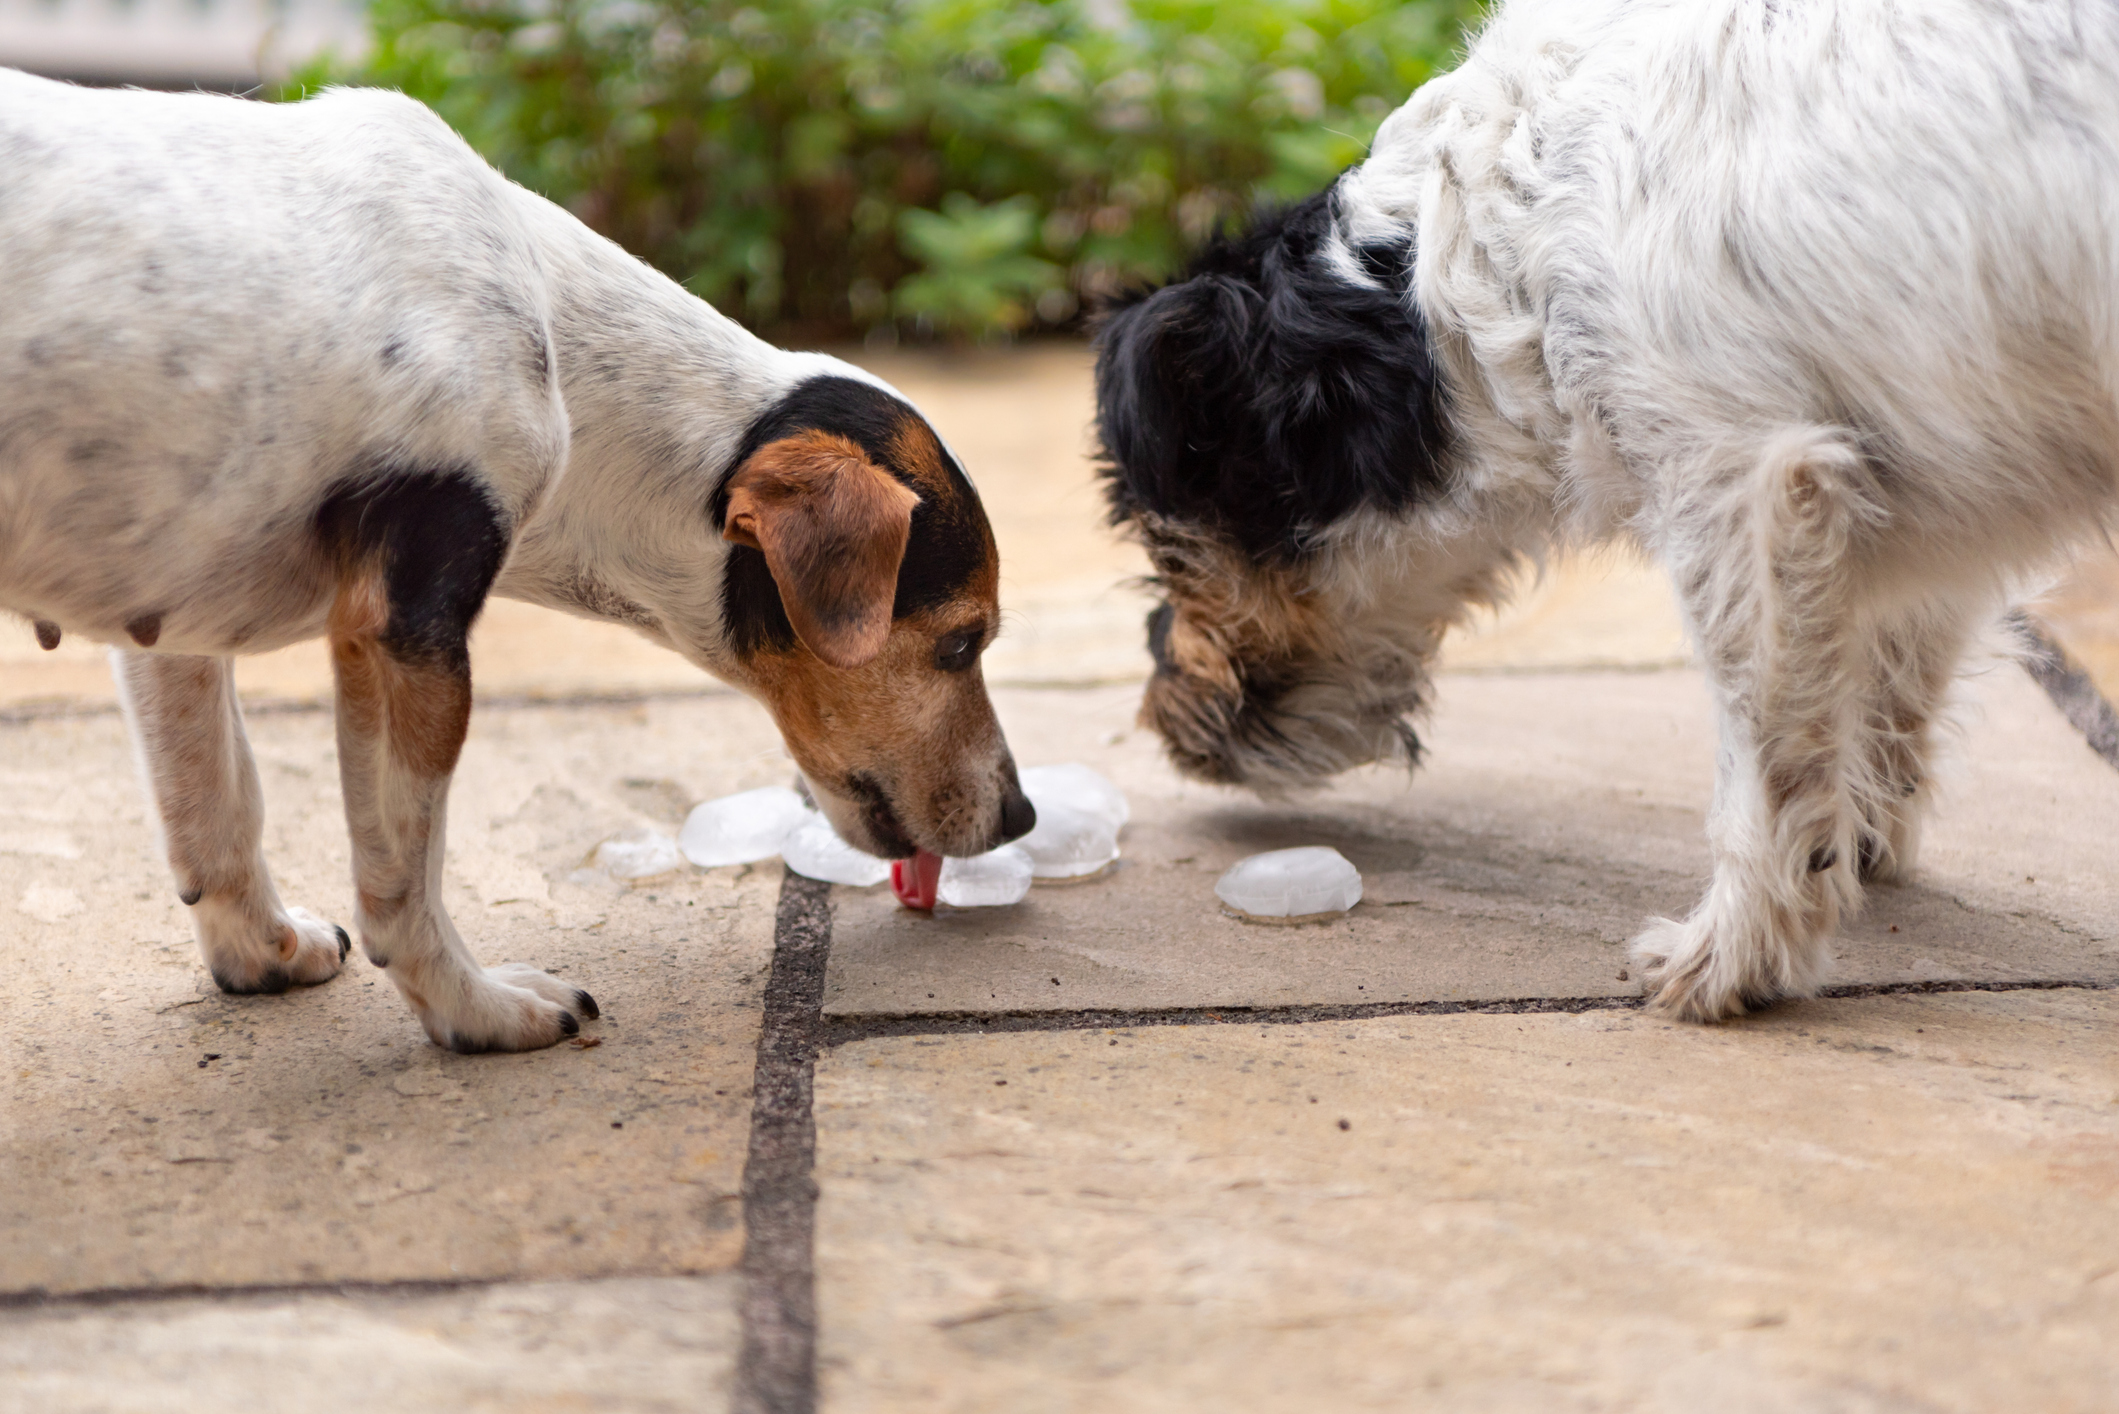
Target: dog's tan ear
pixel 833 526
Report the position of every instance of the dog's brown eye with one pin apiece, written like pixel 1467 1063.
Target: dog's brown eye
pixel 954 652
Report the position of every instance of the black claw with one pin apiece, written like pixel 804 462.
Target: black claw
pixel 586 1005
pixel 190 896
pixel 568 1024
pixel 345 944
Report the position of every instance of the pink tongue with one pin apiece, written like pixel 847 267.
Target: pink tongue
pixel 914 880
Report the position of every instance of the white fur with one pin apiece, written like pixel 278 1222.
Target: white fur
pixel 1817 301
pixel 212 309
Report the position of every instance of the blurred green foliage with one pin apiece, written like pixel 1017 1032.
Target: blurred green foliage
pixel 968 167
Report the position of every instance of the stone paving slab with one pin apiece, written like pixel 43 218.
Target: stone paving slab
pixel 1556 813
pixel 157 1133
pixel 1888 1204
pixel 639 1345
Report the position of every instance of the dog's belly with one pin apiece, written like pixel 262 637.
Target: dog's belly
pixel 188 583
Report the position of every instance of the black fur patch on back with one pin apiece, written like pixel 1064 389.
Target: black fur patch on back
pixel 948 543
pixel 1265 395
pixel 440 541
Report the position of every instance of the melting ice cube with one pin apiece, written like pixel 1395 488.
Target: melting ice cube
pixel 989 880
pixel 639 854
pixel 1077 786
pixel 815 849
pixel 741 829
pixel 1291 883
pixel 1068 841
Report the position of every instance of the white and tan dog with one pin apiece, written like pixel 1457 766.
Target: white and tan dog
pixel 273 372
pixel 1815 300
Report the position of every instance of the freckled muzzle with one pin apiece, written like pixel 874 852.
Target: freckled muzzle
pixel 870 818
pixel 1195 715
pixel 1271 722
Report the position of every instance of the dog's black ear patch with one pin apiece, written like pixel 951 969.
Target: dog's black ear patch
pixel 1266 394
pixel 949 546
pixel 750 604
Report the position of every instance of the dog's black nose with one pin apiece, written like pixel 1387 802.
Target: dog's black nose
pixel 1018 816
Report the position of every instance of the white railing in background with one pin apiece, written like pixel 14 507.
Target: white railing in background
pixel 225 44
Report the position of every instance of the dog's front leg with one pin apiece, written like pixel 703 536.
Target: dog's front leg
pixel 1767 565
pixel 404 706
pixel 197 764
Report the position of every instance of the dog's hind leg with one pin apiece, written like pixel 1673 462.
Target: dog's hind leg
pixel 399 627
pixel 195 760
pixel 1911 666
pixel 1768 571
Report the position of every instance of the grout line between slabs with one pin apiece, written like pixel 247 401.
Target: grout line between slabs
pixel 776 1366
pixel 836 1031
pixel 38 1299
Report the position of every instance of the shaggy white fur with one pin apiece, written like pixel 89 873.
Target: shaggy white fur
pixel 1818 302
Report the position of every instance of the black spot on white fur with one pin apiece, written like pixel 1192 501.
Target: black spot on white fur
pixel 440 542
pixel 1266 394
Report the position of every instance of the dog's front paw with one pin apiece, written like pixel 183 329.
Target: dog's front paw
pixel 513 1007
pixel 1676 962
pixel 318 949
pixel 1725 960
pixel 296 949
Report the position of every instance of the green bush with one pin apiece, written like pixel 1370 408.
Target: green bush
pixel 969 167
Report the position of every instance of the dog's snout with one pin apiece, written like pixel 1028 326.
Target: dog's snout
pixel 1159 620
pixel 1018 815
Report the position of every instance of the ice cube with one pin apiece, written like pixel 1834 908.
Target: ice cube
pixel 1077 786
pixel 1291 883
pixel 1068 842
pixel 815 849
pixel 989 880
pixel 639 854
pixel 741 829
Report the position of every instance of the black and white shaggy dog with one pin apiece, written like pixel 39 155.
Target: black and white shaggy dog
pixel 1815 300
pixel 269 373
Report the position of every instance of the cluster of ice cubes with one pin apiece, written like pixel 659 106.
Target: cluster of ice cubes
pixel 1287 884
pixel 1079 815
